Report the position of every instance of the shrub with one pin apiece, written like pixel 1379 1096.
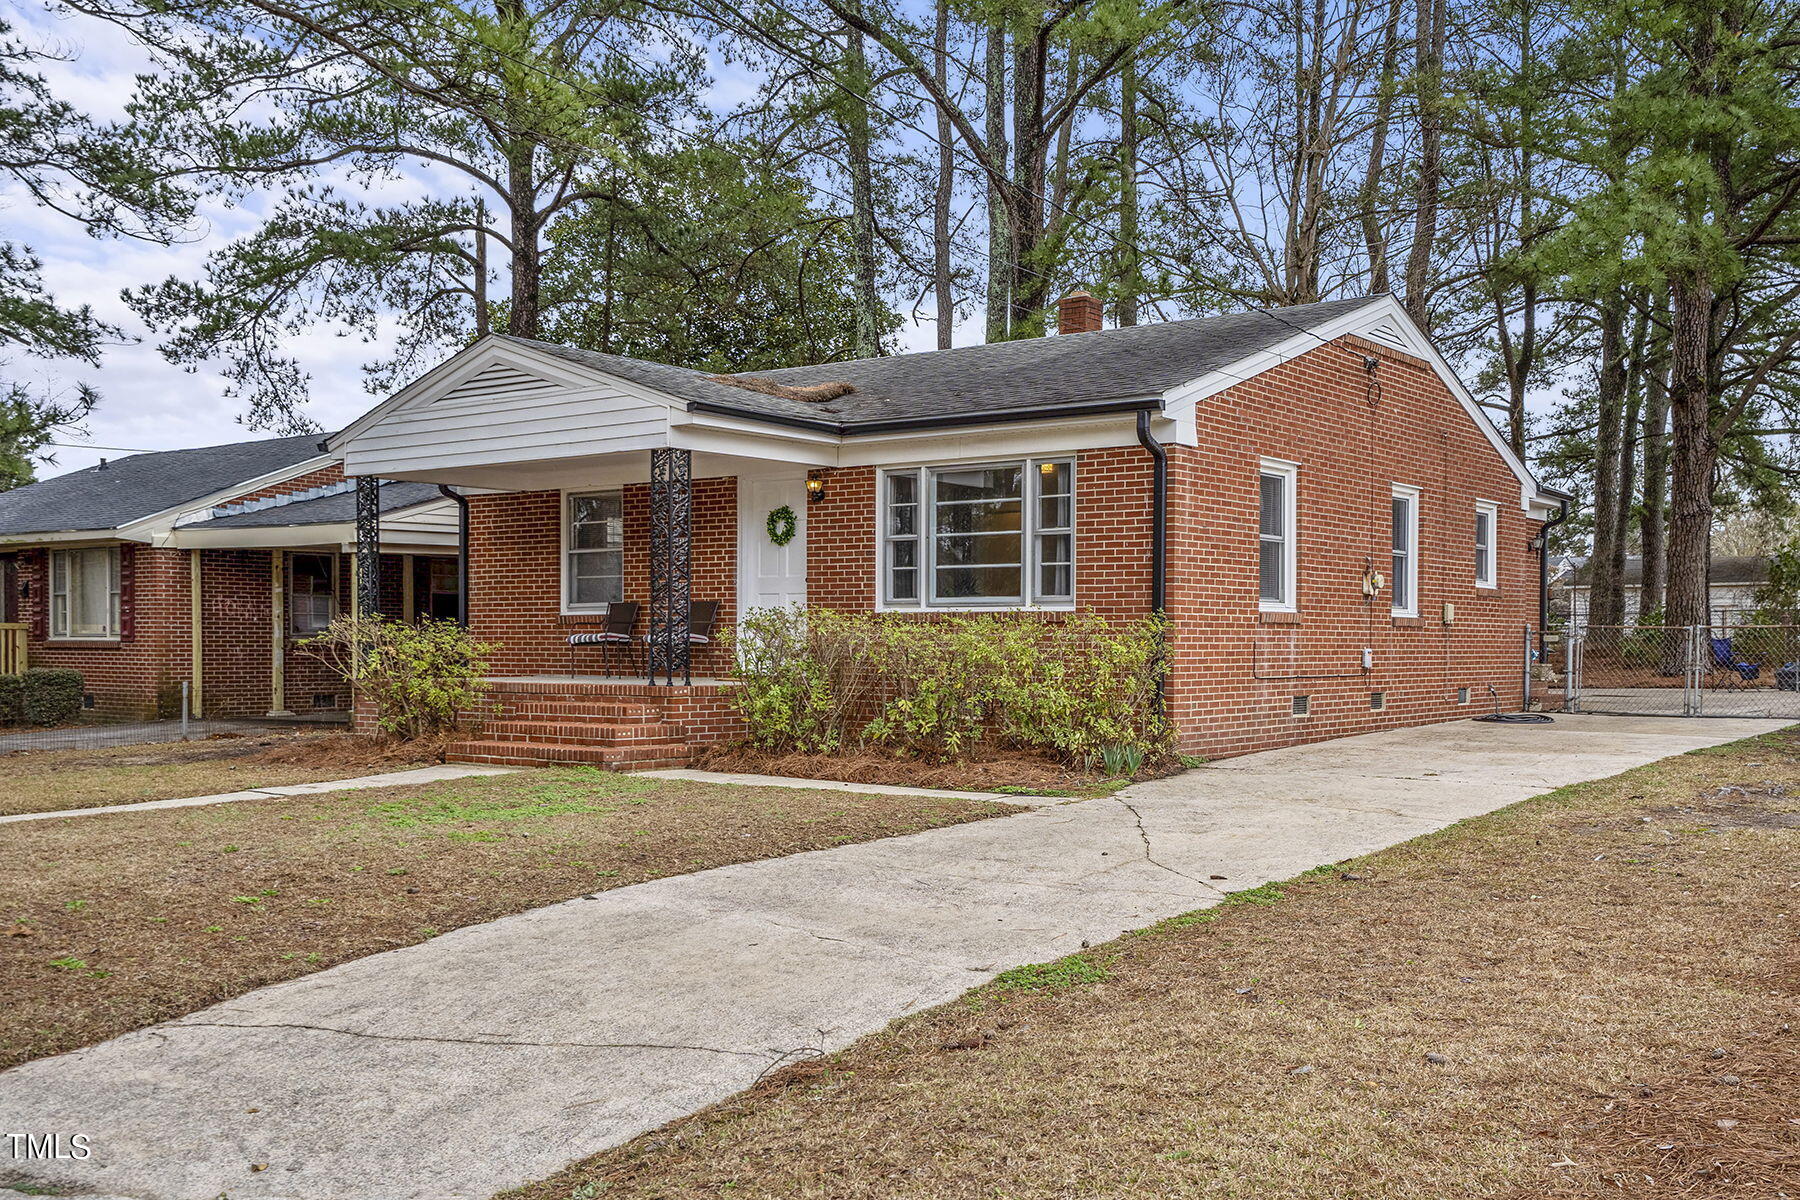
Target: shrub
pixel 41 696
pixel 1078 686
pixel 419 676
pixel 52 696
pixel 803 675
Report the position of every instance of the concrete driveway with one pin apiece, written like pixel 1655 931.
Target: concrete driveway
pixel 496 1054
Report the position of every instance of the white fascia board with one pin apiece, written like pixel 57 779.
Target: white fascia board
pixel 63 537
pixel 974 443
pixel 321 534
pixel 465 364
pixel 711 433
pixel 1181 402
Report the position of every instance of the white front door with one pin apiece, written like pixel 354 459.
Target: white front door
pixel 771 576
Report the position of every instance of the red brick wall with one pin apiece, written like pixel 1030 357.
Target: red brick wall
pixel 1235 671
pixel 515 578
pixel 139 675
pixel 127 675
pixel 324 476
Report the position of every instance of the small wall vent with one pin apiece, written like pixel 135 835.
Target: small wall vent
pixel 1377 701
pixel 1302 705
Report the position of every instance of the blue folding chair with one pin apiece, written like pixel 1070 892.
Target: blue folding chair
pixel 1738 672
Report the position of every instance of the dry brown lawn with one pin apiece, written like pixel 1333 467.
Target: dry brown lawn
pixel 1590 994
pixel 116 921
pixel 54 780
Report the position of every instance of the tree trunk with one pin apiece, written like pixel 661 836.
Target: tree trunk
pixel 1692 453
pixel 527 261
pixel 865 269
pixel 1001 252
pixel 1375 238
pixel 482 316
pixel 1130 269
pixel 1634 383
pixel 1606 600
pixel 1431 32
pixel 1030 287
pixel 946 187
pixel 1656 480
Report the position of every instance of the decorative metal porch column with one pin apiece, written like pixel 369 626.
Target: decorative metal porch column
pixel 368 546
pixel 671 562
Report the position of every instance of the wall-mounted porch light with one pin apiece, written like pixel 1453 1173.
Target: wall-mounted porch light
pixel 815 488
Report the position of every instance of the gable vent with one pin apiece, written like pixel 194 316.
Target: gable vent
pixel 1388 334
pixel 498 382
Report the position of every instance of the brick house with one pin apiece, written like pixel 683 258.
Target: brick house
pixel 1340 537
pixel 207 566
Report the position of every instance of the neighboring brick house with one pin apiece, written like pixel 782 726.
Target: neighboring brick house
pixel 1347 542
pixel 206 567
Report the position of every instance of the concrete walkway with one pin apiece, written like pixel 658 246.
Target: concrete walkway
pixel 496 1054
pixel 415 775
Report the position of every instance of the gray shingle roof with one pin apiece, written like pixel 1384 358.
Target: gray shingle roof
pixel 142 485
pixel 1060 372
pixel 325 510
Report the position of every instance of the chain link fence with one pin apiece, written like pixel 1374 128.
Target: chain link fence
pixel 1684 670
pixel 85 733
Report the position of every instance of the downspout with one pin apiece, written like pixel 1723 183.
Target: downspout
pixel 462 553
pixel 1159 540
pixel 1543 539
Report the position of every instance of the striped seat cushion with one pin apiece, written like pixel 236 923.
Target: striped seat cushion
pixel 597 638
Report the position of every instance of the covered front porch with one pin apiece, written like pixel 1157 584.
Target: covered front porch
pixel 626 568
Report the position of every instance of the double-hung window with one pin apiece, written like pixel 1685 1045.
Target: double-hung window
pixel 1487 522
pixel 594 547
pixel 1405 584
pixel 84 593
pixel 1276 556
pixel 996 534
pixel 312 592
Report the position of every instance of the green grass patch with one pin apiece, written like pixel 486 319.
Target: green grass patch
pixel 1074 971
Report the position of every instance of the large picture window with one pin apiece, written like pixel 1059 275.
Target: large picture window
pixel 84 593
pixel 1275 537
pixel 594 576
pixel 996 534
pixel 312 592
pixel 1405 584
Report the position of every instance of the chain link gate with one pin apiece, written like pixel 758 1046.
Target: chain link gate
pixel 1684 670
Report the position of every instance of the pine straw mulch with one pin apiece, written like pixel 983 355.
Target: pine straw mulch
pixel 53 780
pixel 115 921
pixel 986 769
pixel 1591 994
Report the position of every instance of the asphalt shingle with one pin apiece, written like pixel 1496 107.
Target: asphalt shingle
pixel 141 485
pixel 969 382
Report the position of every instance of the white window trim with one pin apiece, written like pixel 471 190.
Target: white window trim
pixel 1411 495
pixel 337 600
pixel 565 606
pixel 1290 558
pixel 927 557
pixel 1491 578
pixel 116 595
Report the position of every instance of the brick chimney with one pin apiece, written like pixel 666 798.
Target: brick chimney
pixel 1078 312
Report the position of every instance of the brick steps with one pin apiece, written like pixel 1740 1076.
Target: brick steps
pixel 542 724
pixel 522 730
pixel 538 754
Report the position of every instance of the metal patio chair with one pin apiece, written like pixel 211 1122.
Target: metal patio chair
pixel 620 617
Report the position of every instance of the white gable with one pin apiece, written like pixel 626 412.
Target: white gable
pixel 1383 321
pixel 498 403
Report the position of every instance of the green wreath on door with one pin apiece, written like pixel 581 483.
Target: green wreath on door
pixel 782 525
